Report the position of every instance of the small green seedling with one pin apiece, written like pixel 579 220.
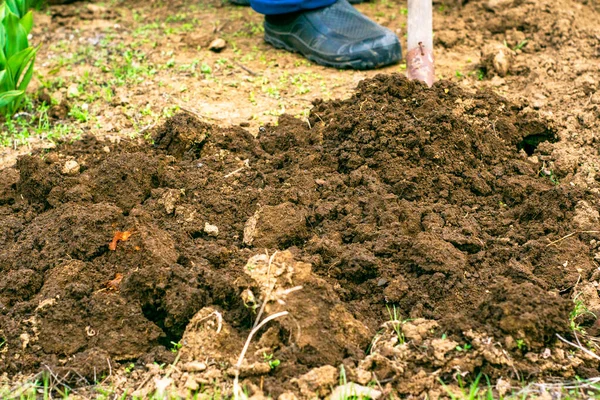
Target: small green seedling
pixel 579 310
pixel 129 368
pixel 465 347
pixel 521 44
pixel 548 173
pixel 205 69
pixel 396 323
pixel 273 362
pixel 480 74
pixel 176 346
pixel 521 344
pixel 473 390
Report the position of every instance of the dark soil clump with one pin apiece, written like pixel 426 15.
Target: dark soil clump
pixel 425 200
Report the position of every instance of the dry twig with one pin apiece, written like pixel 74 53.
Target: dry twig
pixel 568 236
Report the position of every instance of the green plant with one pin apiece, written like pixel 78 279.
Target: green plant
pixel 396 323
pixel 343 379
pixel 521 344
pixel 273 362
pixel 579 310
pixel 548 173
pixel 205 69
pixel 16 56
pixel 129 368
pixel 20 7
pixel 521 44
pixel 464 347
pixel 473 392
pixel 176 346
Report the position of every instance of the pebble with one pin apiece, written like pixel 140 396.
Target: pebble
pixel 71 167
pixel 194 366
pixel 211 230
pixel 191 384
pixel 217 45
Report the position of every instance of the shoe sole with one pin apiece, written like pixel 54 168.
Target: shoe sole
pixel 385 56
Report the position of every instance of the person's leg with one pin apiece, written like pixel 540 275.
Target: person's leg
pixel 328 32
pixel 275 7
pixel 247 2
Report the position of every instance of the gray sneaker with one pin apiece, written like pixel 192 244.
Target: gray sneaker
pixel 335 36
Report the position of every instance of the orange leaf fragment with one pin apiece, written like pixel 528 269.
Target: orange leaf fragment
pixel 114 284
pixel 119 237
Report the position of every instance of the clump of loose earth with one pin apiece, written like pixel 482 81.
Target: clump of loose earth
pixel 428 202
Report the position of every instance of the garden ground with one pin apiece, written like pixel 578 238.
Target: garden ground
pixel 433 236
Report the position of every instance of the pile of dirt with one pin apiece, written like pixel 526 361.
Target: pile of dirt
pixel 434 203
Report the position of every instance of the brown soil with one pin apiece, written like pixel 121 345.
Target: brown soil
pixel 424 200
pixel 472 216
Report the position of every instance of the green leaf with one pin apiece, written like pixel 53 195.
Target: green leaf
pixel 27 76
pixel 23 8
pixel 16 37
pixel 8 97
pixel 27 22
pixel 2 43
pixel 12 6
pixel 17 63
pixel 9 81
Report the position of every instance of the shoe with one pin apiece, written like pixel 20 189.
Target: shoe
pixel 335 36
pixel 247 2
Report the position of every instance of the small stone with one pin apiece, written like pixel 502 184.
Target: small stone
pixel 194 366
pixel 320 182
pixel 382 282
pixel 537 104
pixel 191 384
pixel 501 63
pixel 351 389
pixel 547 353
pixel 71 167
pixel 503 386
pixel 287 396
pixel 362 376
pixel 106 149
pixel 317 382
pixel 211 230
pixel 73 90
pixel 217 45
pixel 497 81
pixel 170 199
